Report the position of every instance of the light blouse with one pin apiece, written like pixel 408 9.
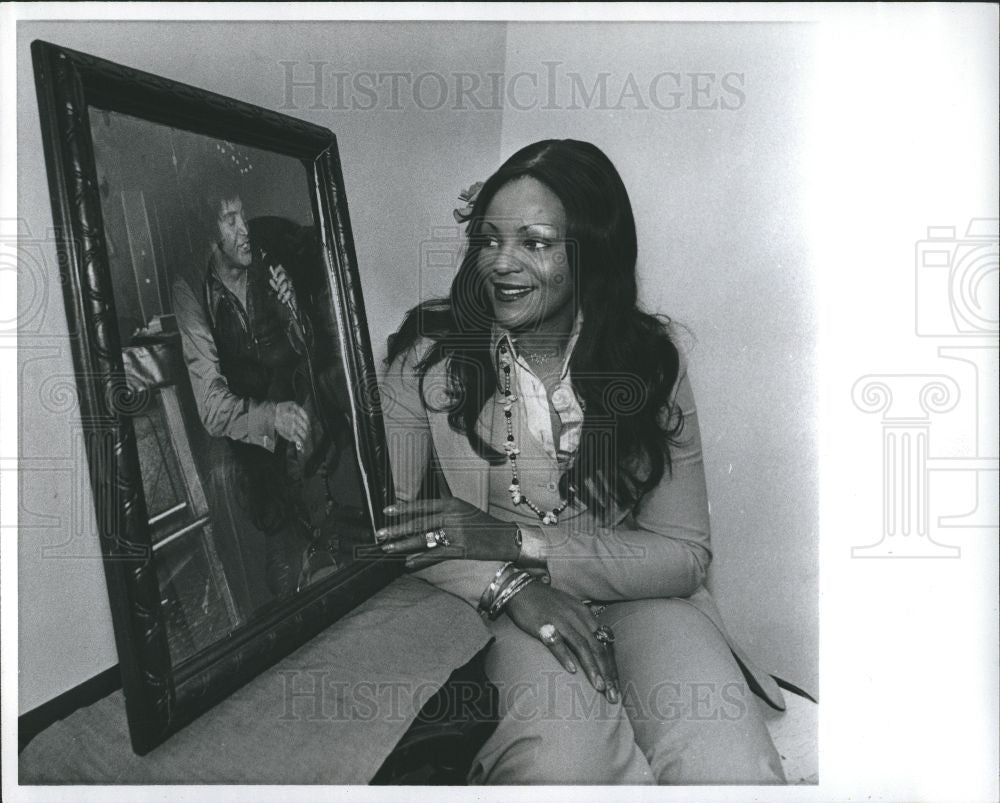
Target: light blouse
pixel 659 549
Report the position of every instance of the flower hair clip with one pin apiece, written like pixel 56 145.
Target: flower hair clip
pixel 468 197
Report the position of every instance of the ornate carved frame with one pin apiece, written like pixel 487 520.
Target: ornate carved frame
pixel 162 698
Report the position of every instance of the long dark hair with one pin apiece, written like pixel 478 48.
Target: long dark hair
pixel 624 365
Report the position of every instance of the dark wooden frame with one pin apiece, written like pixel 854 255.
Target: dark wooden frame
pixel 161 698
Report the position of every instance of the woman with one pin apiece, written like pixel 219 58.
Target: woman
pixel 554 422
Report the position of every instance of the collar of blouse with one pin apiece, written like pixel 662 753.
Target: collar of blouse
pixel 533 399
pixel 499 334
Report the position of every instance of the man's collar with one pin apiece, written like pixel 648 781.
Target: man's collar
pixel 216 287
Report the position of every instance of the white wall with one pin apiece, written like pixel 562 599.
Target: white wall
pixel 402 169
pixel 718 199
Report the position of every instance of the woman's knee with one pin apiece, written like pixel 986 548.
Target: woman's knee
pixel 555 727
pixel 672 636
pixel 688 702
pixel 671 617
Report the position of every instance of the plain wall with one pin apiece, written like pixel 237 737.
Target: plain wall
pixel 402 169
pixel 717 199
pixel 718 196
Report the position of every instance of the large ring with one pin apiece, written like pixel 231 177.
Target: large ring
pixel 547 633
pixel 605 635
pixel 435 538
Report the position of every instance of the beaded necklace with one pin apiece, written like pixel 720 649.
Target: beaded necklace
pixel 510 447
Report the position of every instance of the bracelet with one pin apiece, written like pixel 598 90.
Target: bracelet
pixel 509 593
pixel 500 597
pixel 505 575
pixel 489 594
pixel 513 587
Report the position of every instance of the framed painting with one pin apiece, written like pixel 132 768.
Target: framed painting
pixel 225 375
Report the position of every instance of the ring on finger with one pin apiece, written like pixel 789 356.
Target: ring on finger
pixel 436 538
pixel 547 634
pixel 605 635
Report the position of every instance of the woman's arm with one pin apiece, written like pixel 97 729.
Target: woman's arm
pixel 668 552
pixel 410 449
pixel 407 430
pixel 661 551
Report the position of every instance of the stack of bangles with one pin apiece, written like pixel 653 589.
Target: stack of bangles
pixel 507 582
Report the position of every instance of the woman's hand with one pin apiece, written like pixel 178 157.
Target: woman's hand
pixel 539 604
pixel 470 533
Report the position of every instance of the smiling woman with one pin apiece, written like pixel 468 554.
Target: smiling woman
pixel 523 257
pixel 556 422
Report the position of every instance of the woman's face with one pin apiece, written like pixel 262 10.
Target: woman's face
pixel 523 258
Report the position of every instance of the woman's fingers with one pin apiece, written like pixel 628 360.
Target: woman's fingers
pixel 562 653
pixel 408 528
pixel 429 557
pixel 398 509
pixel 412 543
pixel 603 652
pixel 601 655
pixel 614 684
pixel 587 658
pixel 420 515
pixel 415 563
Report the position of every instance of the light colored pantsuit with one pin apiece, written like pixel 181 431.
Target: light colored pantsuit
pixel 688 715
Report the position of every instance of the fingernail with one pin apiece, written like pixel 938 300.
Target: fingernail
pixel 388 547
pixel 382 534
pixel 571 667
pixel 612 694
pixel 599 683
pixel 408 563
pixel 389 510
